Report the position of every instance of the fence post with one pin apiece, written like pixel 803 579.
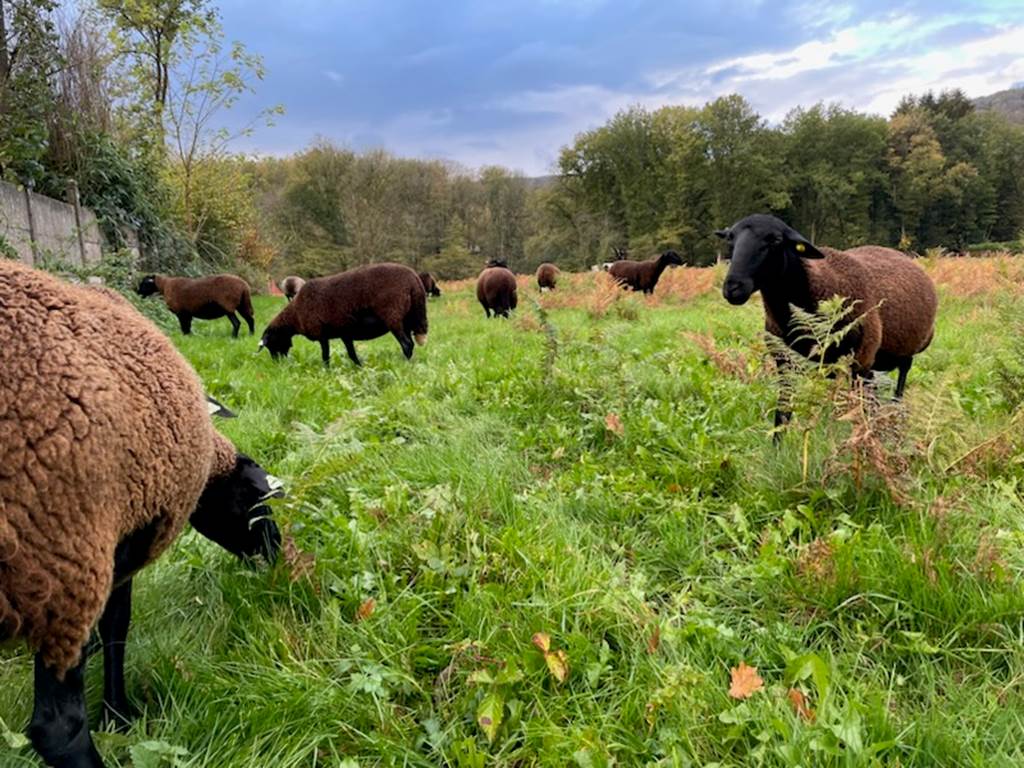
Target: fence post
pixel 31 223
pixel 74 201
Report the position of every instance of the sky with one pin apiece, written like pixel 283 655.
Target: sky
pixel 508 82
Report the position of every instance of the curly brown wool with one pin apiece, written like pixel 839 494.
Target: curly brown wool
pixel 547 276
pixel 103 430
pixel 496 291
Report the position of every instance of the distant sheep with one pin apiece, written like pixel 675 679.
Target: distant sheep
pixel 496 290
pixel 893 297
pixel 642 275
pixel 106 450
pixel 206 298
pixel 291 286
pixel 429 284
pixel 547 276
pixel 360 304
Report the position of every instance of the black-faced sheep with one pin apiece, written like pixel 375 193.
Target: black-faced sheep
pixel 893 297
pixel 360 304
pixel 496 290
pixel 206 298
pixel 429 284
pixel 106 450
pixel 291 286
pixel 642 275
pixel 547 276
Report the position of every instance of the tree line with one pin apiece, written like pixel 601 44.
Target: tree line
pixel 127 97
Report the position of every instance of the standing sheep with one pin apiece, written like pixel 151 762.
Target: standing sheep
pixel 360 304
pixel 106 450
pixel 291 286
pixel 547 276
pixel 892 296
pixel 642 275
pixel 429 284
pixel 496 289
pixel 204 297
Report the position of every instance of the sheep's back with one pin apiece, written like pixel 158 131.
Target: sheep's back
pixel 103 430
pixel 385 289
pixel 197 294
pixel 495 283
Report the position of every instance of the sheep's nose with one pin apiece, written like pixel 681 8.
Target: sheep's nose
pixel 735 292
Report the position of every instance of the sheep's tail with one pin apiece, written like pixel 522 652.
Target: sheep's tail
pixel 245 305
pixel 416 318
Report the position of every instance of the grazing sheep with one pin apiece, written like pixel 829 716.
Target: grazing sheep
pixel 496 290
pixel 106 450
pixel 204 297
pixel 291 286
pixel 547 276
pixel 893 297
pixel 360 304
pixel 642 275
pixel 429 284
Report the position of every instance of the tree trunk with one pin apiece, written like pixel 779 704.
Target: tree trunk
pixel 5 56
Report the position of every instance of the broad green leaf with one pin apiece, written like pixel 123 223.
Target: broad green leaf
pixel 489 714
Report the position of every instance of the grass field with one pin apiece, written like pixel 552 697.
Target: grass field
pixel 605 477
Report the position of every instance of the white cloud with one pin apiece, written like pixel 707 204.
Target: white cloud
pixel 335 77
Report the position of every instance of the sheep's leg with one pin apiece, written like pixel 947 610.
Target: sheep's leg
pixel 350 347
pixel 59 730
pixel 185 321
pixel 325 352
pixel 114 632
pixel 250 322
pixel 235 324
pixel 405 341
pixel 782 412
pixel 901 381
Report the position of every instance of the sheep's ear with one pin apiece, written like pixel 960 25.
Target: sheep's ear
pixel 722 233
pixel 800 245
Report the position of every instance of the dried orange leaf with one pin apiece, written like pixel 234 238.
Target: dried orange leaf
pixel 300 564
pixel 799 702
pixel 366 610
pixel 614 423
pixel 654 640
pixel 542 640
pixel 745 681
pixel 558 665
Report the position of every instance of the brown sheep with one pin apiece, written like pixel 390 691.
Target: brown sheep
pixel 893 297
pixel 496 290
pixel 106 450
pixel 642 275
pixel 547 276
pixel 204 297
pixel 429 284
pixel 360 304
pixel 291 286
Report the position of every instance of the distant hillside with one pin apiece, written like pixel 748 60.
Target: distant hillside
pixel 1009 102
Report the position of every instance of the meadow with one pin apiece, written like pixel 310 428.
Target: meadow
pixel 563 539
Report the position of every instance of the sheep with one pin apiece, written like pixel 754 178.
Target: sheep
pixel 429 284
pixel 496 289
pixel 891 295
pixel 106 450
pixel 547 276
pixel 642 275
pixel 204 297
pixel 291 286
pixel 360 304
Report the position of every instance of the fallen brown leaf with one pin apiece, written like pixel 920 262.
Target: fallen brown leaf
pixel 799 702
pixel 542 640
pixel 614 424
pixel 654 640
pixel 366 610
pixel 300 564
pixel 745 681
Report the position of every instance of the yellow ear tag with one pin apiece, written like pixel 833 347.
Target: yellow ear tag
pixel 800 247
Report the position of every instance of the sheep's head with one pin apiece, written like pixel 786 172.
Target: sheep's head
pixel 758 247
pixel 496 263
pixel 277 341
pixel 148 286
pixel 671 259
pixel 233 512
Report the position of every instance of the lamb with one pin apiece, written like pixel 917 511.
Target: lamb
pixel 893 297
pixel 642 275
pixel 106 450
pixel 429 284
pixel 496 289
pixel 360 304
pixel 204 297
pixel 547 276
pixel 291 286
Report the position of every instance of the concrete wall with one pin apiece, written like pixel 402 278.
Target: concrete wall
pixel 36 226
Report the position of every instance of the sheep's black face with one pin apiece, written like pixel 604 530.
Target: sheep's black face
pixel 278 342
pixel 758 247
pixel 671 259
pixel 233 512
pixel 148 286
